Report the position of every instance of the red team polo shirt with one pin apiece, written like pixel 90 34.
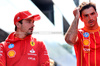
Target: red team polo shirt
pixel 87 48
pixel 23 52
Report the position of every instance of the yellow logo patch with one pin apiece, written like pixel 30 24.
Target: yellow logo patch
pixel 86 42
pixel 11 53
pixel 32 43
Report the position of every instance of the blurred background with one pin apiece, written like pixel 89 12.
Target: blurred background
pixel 56 17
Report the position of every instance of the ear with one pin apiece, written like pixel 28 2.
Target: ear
pixel 18 24
pixel 97 14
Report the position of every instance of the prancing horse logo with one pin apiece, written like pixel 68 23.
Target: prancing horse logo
pixel 32 43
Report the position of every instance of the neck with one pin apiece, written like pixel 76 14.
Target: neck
pixel 92 28
pixel 20 34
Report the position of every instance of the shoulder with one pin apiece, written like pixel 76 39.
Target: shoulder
pixel 79 36
pixel 4 44
pixel 1 45
pixel 38 41
pixel 80 30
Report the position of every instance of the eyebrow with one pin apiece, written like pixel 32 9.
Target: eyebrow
pixel 93 12
pixel 90 13
pixel 28 19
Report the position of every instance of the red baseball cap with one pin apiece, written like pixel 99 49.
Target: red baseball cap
pixel 25 15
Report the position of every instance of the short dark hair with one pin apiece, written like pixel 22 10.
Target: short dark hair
pixel 86 5
pixel 16 26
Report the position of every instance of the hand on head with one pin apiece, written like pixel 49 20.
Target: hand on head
pixel 76 12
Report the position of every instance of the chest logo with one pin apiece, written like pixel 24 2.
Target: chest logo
pixel 86 42
pixel 86 34
pixel 11 53
pixel 32 43
pixel 11 46
pixel 32 51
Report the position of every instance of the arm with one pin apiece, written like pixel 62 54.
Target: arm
pixel 71 34
pixel 2 56
pixel 43 55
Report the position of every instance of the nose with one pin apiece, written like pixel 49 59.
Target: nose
pixel 90 17
pixel 33 24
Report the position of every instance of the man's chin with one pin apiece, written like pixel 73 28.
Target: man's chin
pixel 30 33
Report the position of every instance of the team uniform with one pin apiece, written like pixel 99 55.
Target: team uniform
pixel 24 52
pixel 87 48
pixel 2 56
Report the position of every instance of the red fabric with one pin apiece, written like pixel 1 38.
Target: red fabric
pixel 24 15
pixel 87 48
pixel 2 56
pixel 25 52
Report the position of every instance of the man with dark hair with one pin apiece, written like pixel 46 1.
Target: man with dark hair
pixel 20 48
pixel 86 40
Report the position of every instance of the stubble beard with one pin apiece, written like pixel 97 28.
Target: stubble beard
pixel 29 33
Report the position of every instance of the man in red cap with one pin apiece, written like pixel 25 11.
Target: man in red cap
pixel 20 48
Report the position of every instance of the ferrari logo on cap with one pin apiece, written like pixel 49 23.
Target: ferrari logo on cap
pixel 32 43
pixel 18 18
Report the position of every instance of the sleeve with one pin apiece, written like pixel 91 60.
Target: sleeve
pixel 77 45
pixel 2 55
pixel 43 55
pixel 79 38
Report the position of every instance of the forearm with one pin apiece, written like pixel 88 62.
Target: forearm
pixel 71 34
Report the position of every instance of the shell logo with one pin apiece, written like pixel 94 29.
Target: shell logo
pixel 86 42
pixel 11 53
